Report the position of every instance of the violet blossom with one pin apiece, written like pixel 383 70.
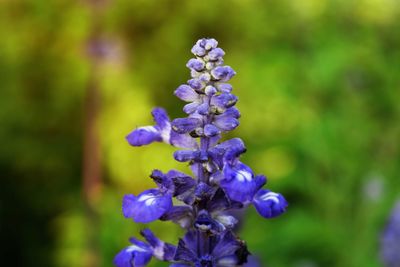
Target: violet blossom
pixel 220 183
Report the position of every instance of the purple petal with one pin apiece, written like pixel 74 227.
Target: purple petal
pixel 182 140
pixel 210 130
pixel 186 93
pixel 226 123
pixel 223 73
pixel 148 206
pixel 191 107
pixel 144 136
pixel 230 112
pixel 216 54
pixel 196 84
pixel 224 100
pixel 185 125
pixel 185 155
pixel 138 254
pixel 260 181
pixel 197 50
pixel 239 183
pixel 161 118
pixel 269 204
pixel 208 43
pixel 127 204
pixel 203 109
pixel 224 87
pixel 195 64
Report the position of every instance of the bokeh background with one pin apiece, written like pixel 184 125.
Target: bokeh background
pixel 318 83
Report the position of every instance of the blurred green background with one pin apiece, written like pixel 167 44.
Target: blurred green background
pixel 318 83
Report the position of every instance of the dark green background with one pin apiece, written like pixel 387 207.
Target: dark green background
pixel 318 86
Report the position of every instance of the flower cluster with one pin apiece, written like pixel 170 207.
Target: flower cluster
pixel 390 240
pixel 220 183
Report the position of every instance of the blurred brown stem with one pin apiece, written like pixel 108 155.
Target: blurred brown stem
pixel 91 151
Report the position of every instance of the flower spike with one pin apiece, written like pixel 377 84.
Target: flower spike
pixel 221 184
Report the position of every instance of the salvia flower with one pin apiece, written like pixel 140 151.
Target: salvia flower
pixel 390 239
pixel 220 185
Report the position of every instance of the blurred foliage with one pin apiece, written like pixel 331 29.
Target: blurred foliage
pixel 318 83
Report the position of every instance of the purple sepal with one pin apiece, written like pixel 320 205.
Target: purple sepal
pixel 220 202
pixel 182 215
pixel 239 183
pixel 211 130
pixel 186 93
pixel 227 245
pixel 203 191
pixel 180 265
pixel 228 151
pixel 147 206
pixel 185 125
pixel 223 73
pixel 269 204
pixel 195 64
pixel 183 252
pixel 163 182
pixel 144 136
pixel 138 255
pixel 182 182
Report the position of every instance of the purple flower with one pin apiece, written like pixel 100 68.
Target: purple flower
pixel 224 251
pixel 239 182
pixel 160 132
pixel 390 239
pixel 147 206
pixel 221 186
pixel 269 204
pixel 223 73
pixel 138 254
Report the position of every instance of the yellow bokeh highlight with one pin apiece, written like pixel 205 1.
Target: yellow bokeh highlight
pixel 275 162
